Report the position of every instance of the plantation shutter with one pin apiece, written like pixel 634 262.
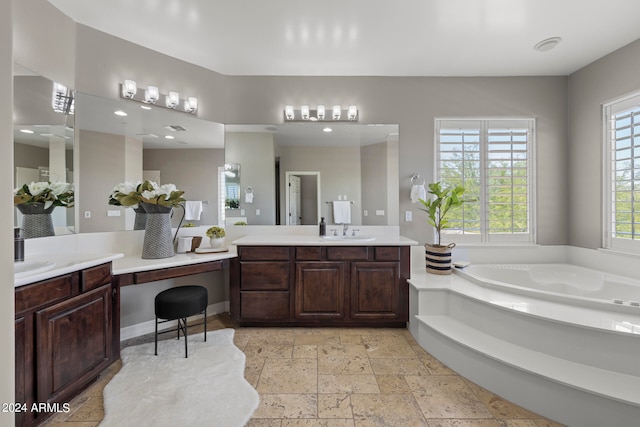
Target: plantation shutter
pixel 493 160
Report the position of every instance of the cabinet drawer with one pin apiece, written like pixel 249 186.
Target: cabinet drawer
pixel 46 292
pixel 387 253
pixel 257 276
pixel 94 277
pixel 262 305
pixel 308 253
pixel 347 253
pixel 263 253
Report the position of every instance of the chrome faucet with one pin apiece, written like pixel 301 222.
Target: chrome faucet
pixel 344 229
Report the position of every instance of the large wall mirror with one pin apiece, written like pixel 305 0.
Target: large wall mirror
pixel 126 141
pixel 43 141
pixel 294 173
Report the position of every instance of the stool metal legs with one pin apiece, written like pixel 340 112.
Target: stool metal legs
pixel 182 326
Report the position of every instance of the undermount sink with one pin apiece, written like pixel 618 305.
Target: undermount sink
pixel 27 268
pixel 359 238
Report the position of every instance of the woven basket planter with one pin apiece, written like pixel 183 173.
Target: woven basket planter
pixel 438 258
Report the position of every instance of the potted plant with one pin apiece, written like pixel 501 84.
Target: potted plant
pixel 438 256
pixel 216 236
pixel 37 200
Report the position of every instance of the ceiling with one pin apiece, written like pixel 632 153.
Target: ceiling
pixel 369 37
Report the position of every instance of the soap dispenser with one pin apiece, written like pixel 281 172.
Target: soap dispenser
pixel 323 227
pixel 18 245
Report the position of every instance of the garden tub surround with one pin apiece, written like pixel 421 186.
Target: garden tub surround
pixel 541 349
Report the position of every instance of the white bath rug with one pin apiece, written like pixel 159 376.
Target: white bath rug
pixel 206 389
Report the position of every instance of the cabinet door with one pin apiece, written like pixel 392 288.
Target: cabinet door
pixel 73 340
pixel 375 292
pixel 24 368
pixel 319 290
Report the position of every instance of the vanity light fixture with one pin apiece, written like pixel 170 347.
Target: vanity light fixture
pixel 29 131
pixel 337 113
pixel 191 104
pixel 151 95
pixel 172 100
pixel 304 112
pixel 62 99
pixel 288 112
pixel 352 112
pixel 169 137
pixel 129 89
pixel 120 113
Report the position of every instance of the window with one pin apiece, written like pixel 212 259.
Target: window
pixel 493 160
pixel 622 174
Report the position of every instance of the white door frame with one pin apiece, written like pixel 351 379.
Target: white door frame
pixel 286 180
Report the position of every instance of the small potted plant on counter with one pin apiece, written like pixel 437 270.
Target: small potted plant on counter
pixel 438 256
pixel 216 236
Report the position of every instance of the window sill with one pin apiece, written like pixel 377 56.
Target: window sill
pixel 619 252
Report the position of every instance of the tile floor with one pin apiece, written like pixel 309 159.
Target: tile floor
pixel 340 377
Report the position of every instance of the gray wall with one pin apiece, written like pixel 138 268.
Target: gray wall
pixel 195 171
pixel 614 75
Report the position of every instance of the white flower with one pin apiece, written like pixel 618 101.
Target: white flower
pixel 36 188
pixel 149 194
pixel 57 188
pixel 166 189
pixel 126 187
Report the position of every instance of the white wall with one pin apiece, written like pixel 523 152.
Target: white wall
pixel 604 80
pixel 7 356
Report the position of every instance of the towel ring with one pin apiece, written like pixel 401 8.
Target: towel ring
pixel 248 190
pixel 415 178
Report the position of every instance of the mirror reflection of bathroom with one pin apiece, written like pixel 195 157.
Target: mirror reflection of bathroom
pixel 231 179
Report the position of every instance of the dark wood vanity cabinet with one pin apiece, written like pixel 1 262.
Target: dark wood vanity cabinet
pixel 64 338
pixel 321 285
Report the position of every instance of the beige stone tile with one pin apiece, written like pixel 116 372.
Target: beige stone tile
pixel 373 410
pixel 448 422
pixel 54 423
pixel 287 406
pixel 334 405
pixel 517 423
pixel 347 384
pixel 253 365
pixel 343 359
pixel 395 384
pixel 317 423
pixel 91 410
pixel 503 409
pixel 388 346
pixel 446 396
pixel 398 367
pixel 434 366
pixel 289 376
pixel 305 351
pixel 252 379
pixel 351 338
pixel 268 350
pixel 317 338
pixel 264 422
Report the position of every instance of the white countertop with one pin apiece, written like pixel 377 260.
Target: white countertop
pixel 133 263
pixel 63 264
pixel 307 240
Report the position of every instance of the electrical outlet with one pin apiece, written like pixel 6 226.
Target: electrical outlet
pixel 380 212
pixel 87 214
pixel 113 213
pixel 408 216
pixel 365 212
pixel 257 211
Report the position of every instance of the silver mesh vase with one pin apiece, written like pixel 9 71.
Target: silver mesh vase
pixel 158 242
pixel 140 221
pixel 36 221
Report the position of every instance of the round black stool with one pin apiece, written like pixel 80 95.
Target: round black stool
pixel 178 304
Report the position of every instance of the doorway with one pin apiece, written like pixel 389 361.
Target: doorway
pixel 302 197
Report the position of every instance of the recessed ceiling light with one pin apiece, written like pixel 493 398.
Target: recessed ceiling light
pixel 120 113
pixel 327 130
pixel 547 44
pixel 26 131
pixel 169 137
pixel 145 107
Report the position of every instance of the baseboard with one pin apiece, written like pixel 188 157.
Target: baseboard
pixel 144 328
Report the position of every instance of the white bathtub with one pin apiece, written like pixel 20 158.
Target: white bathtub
pixel 557 280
